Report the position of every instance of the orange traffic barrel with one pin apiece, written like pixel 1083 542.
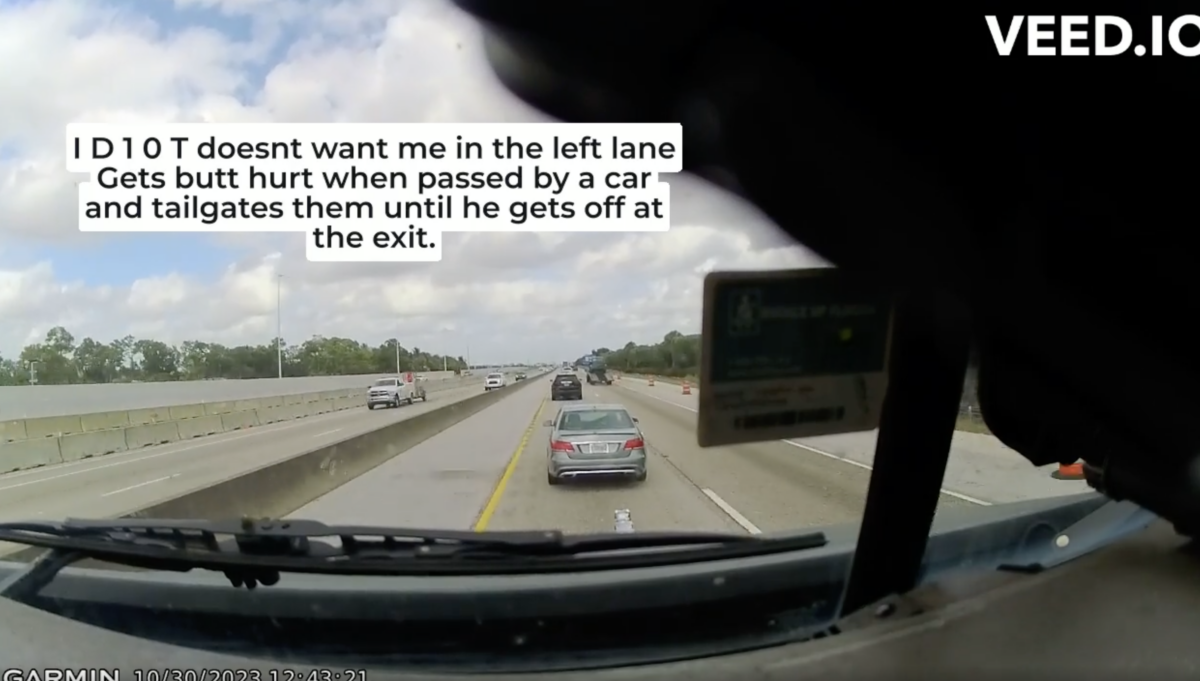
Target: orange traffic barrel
pixel 687 388
pixel 1073 471
pixel 650 381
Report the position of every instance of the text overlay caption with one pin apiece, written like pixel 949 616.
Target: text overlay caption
pixel 374 192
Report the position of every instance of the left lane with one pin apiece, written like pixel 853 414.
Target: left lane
pixel 445 482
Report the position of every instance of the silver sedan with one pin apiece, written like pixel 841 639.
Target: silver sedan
pixel 589 440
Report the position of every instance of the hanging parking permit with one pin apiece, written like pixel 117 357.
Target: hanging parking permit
pixel 791 354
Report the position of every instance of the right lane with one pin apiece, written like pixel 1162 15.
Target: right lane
pixel 773 485
pixel 981 469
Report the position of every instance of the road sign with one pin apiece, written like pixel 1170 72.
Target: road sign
pixel 791 354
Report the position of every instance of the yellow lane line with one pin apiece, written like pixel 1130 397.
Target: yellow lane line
pixel 493 502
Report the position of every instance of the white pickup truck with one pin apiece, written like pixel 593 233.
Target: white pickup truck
pixel 395 391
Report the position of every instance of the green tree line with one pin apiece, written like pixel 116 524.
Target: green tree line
pixel 675 355
pixel 61 359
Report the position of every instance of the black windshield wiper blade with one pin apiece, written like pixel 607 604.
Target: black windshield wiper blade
pixel 256 551
pixel 274 538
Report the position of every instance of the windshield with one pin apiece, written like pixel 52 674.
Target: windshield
pixel 599 419
pixel 153 371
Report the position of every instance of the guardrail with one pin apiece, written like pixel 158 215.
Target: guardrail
pixel 37 442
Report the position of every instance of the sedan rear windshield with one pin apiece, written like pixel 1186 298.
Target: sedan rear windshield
pixel 600 419
pixel 491 376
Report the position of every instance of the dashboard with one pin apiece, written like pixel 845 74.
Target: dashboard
pixel 1066 619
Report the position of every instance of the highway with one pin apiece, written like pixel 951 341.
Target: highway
pixel 489 472
pixel 116 484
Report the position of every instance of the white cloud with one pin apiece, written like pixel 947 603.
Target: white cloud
pixel 509 296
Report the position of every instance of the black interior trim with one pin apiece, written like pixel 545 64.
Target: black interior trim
pixel 708 608
pixel 930 348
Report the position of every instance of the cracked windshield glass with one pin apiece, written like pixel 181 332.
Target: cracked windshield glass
pixel 471 379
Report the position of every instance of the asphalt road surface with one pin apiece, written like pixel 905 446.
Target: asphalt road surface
pixel 981 469
pixel 488 472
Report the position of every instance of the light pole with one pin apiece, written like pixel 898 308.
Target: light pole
pixel 279 322
pixel 443 334
pixel 397 356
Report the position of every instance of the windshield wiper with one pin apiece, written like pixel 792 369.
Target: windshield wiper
pixel 252 552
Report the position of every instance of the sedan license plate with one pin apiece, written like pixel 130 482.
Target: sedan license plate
pixel 598 448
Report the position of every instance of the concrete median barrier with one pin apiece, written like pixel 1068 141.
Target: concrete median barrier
pixel 36 442
pixel 279 489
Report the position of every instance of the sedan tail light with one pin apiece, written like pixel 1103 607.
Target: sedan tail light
pixel 560 446
pixel 635 443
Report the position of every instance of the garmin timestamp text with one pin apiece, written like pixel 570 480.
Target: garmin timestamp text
pixel 282 674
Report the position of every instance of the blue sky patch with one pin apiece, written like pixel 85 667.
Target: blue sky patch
pixel 121 259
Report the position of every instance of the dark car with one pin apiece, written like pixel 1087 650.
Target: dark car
pixel 566 387
pixel 520 377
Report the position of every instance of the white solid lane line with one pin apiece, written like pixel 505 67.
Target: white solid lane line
pixel 141 484
pixel 731 512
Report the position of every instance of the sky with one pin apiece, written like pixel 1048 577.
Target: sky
pixel 502 297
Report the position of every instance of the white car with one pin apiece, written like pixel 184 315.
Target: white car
pixel 494 381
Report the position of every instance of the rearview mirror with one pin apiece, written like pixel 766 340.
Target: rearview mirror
pixel 635 420
pixel 547 424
